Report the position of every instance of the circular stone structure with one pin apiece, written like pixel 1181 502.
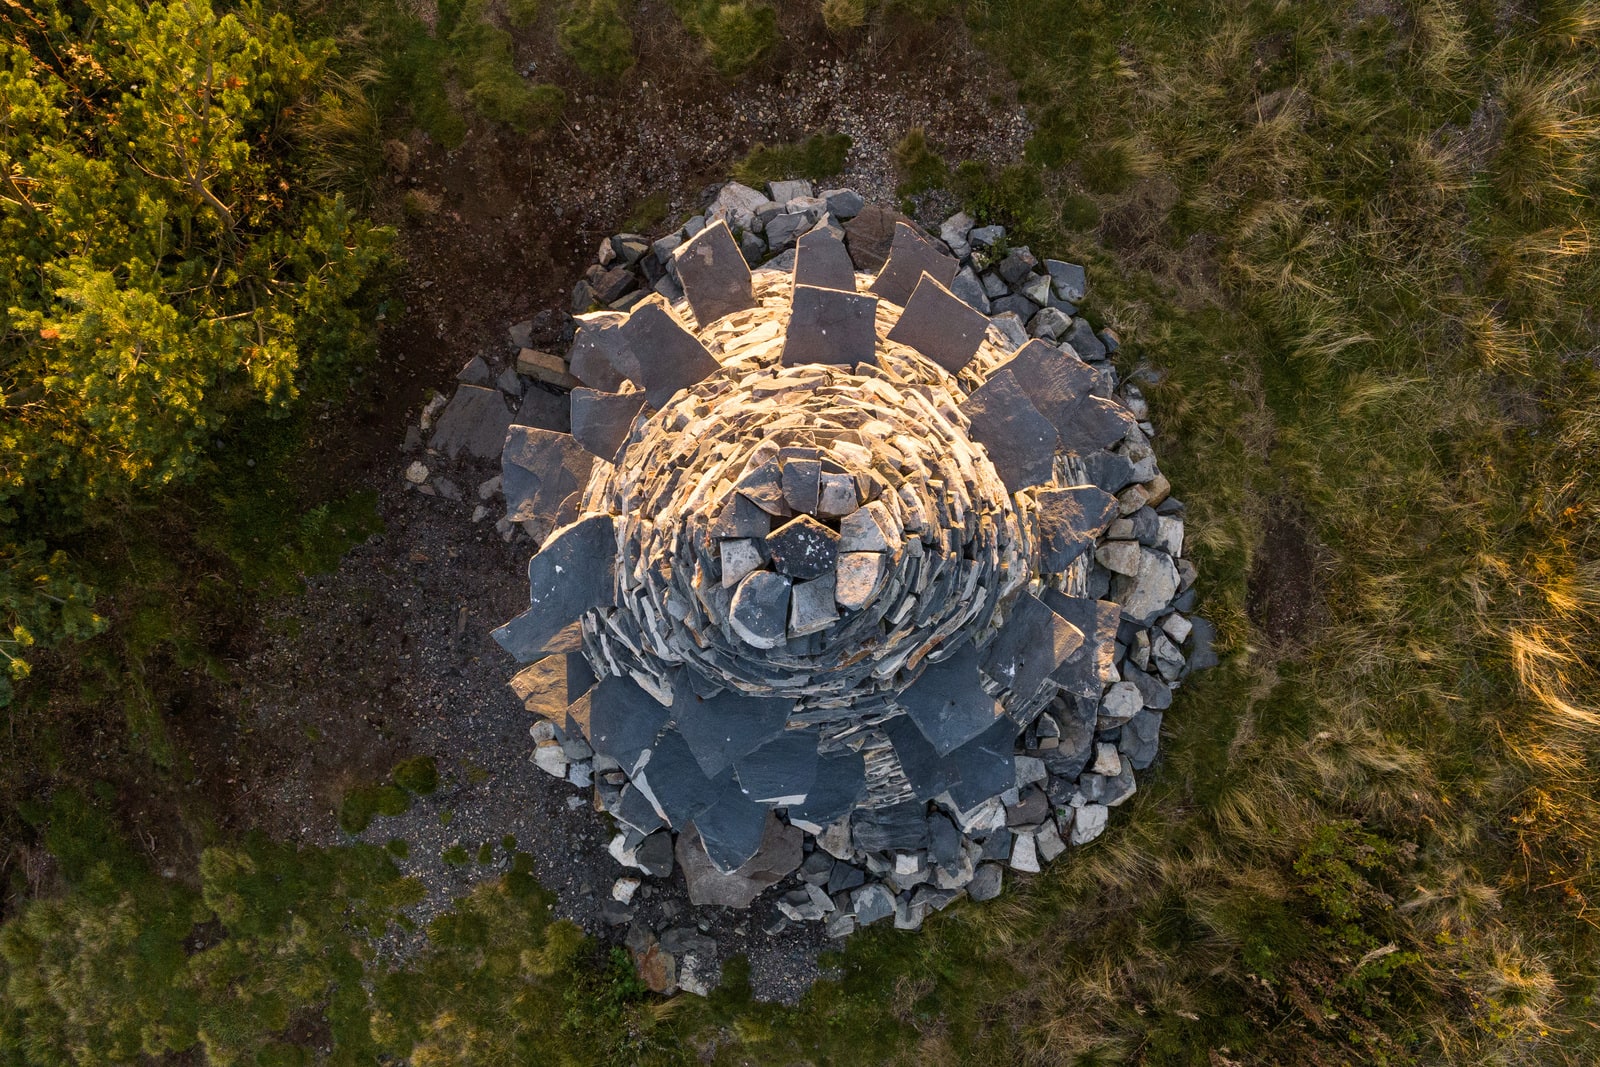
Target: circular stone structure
pixel 849 576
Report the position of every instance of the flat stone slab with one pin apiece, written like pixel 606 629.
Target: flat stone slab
pixel 811 606
pixel 910 257
pixel 987 765
pixel 926 771
pixel 870 235
pixel 602 421
pixel 940 325
pixel 669 357
pixel 1032 644
pixel 1096 424
pixel 948 704
pixel 801 481
pixel 838 783
pixel 572 573
pixel 1056 382
pixel 782 771
pixel 731 826
pixel 475 422
pixel 901 827
pixel 722 728
pixel 539 469
pixel 714 274
pixel 822 260
pixel 673 777
pixel 778 854
pixel 624 721
pixel 759 614
pixel 599 357
pixel 1069 521
pixel 858 578
pixel 803 548
pixel 741 517
pixel 1081 672
pixel 1021 442
pixel 830 326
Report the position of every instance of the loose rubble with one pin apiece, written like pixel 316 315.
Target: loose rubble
pixel 857 583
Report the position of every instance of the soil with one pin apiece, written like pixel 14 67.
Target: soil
pixel 390 655
pixel 1282 594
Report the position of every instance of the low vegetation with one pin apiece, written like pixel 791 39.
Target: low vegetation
pixel 819 157
pixel 736 35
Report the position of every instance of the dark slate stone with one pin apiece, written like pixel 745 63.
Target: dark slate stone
pixel 801 481
pixel 910 257
pixel 940 325
pixel 1201 639
pixel 1111 471
pixel 1055 381
pixel 724 727
pixel 635 810
pixel 624 721
pixel 840 781
pixel 601 421
pixel 816 868
pixel 870 235
pixel 731 825
pixel 1021 442
pixel 1140 738
pixel 1084 342
pixel 987 763
pixel 898 827
pixel 545 409
pixel 1075 746
pixel 997 846
pixel 741 517
pixel 1017 265
pixel 1069 522
pixel 1032 644
pixel 572 573
pixel 1146 528
pixel 928 774
pixel 759 613
pixel 1016 303
pixel 948 704
pixel 600 357
pixel 1156 693
pixel 580 676
pixel 613 285
pixel 944 840
pixel 1096 423
pixel 539 469
pixel 1070 281
pixel 714 274
pixel 669 357
pixel 985 884
pixel 781 771
pixel 475 422
pixel 1031 808
pixel 821 260
pixel 830 326
pixel 845 876
pixel 1097 620
pixel 764 488
pixel 803 548
pixel 654 855
pixel 673 775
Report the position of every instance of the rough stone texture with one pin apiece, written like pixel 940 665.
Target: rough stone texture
pixel 822 260
pixel 869 236
pixel 1020 441
pixel 829 326
pixel 601 421
pixel 940 325
pixel 714 274
pixel 475 422
pixel 910 257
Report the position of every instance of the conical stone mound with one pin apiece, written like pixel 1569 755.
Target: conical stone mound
pixel 838 557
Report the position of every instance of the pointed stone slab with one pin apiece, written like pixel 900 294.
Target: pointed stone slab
pixel 539 469
pixel 599 357
pixel 1095 424
pixel 940 325
pixel 821 260
pixel 572 573
pixel 948 704
pixel 602 421
pixel 988 765
pixel 669 357
pixel 1080 673
pixel 714 274
pixel 759 611
pixel 1021 442
pixel 910 257
pixel 624 721
pixel 474 422
pixel 927 773
pixel 731 826
pixel 673 776
pixel 1056 382
pixel 731 724
pixel 839 782
pixel 1069 522
pixel 1030 646
pixel 830 326
pixel 782 771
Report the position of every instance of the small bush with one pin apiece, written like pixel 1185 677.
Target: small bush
pixel 819 156
pixel 841 16
pixel 522 13
pixel 398 848
pixel 363 802
pixel 455 856
pixel 596 37
pixel 920 166
pixel 418 774
pixel 504 97
pixel 486 853
pixel 737 35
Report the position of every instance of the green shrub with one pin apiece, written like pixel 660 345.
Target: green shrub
pixel 737 34
pixel 363 802
pixel 841 16
pixel 595 35
pixel 455 856
pixel 416 774
pixel 522 13
pixel 920 167
pixel 819 156
pixel 398 848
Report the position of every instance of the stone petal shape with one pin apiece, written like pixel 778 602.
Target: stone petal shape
pixel 741 517
pixel 714 274
pixel 830 326
pixel 600 357
pixel 822 261
pixel 475 422
pixel 869 529
pixel 623 721
pixel 673 776
pixel 803 548
pixel 836 496
pixel 910 257
pixel 731 826
pixel 1069 522
pixel 1097 620
pixel 1032 644
pixel 670 358
pixel 1148 593
pixel 801 482
pixel 1095 424
pixel 572 573
pixel 781 771
pixel 988 765
pixel 739 557
pixel 839 782
pixel 539 469
pixel 722 728
pixel 928 774
pixel 811 606
pixel 940 325
pixel 602 421
pixel 870 235
pixel 1021 442
pixel 948 704
pixel 858 579
pixel 1056 382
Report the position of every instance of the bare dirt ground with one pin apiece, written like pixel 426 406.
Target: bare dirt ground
pixel 390 655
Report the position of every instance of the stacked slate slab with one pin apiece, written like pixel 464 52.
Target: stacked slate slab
pixel 868 584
